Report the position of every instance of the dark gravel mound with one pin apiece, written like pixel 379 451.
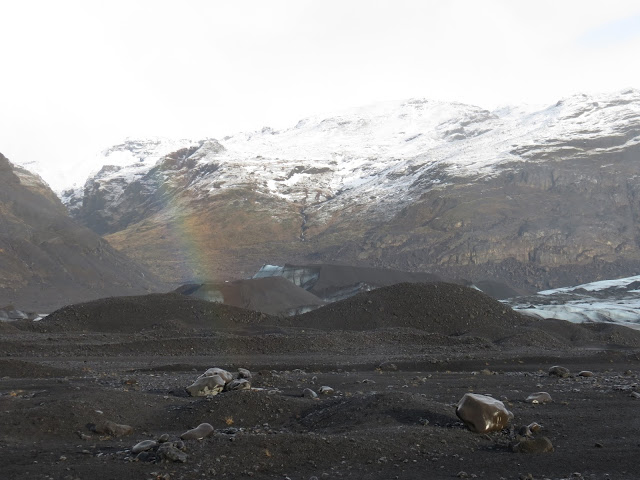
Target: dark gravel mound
pixel 272 295
pixel 442 308
pixel 457 311
pixel 155 311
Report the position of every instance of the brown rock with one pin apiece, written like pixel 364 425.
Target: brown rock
pixel 482 413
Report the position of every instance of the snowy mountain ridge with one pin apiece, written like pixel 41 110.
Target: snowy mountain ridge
pixel 392 150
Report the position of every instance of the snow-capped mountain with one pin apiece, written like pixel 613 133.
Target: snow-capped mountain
pixel 413 185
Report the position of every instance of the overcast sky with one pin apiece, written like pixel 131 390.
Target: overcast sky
pixel 78 76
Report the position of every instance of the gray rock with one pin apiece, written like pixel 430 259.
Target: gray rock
pixel 201 431
pixel 163 438
pixel 324 390
pixel 539 397
pixel 168 452
pixel 144 446
pixel 206 385
pixel 239 384
pixel 533 445
pixel 111 428
pixel 482 413
pixel 585 373
pixel 308 393
pixel 558 371
pixel 225 375
pixel 244 373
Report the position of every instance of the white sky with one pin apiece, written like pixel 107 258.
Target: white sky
pixel 78 76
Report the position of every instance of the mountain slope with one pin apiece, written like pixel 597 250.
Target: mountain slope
pixel 48 260
pixel 534 197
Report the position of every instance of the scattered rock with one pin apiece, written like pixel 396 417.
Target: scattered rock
pixel 388 366
pixel 224 374
pixel 532 445
pixel 585 373
pixel 324 390
pixel 482 413
pixel 163 438
pixel 239 384
pixel 308 393
pixel 206 385
pixel 534 427
pixel 201 431
pixel 144 446
pixel 539 397
pixel 111 428
pixel 244 373
pixel 558 371
pixel 168 452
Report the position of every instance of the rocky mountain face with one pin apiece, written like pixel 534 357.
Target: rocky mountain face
pixel 534 197
pixel 46 259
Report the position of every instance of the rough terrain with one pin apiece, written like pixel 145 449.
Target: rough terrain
pixel 396 381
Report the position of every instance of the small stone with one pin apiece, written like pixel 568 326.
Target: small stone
pixel 482 413
pixel 539 397
pixel 486 371
pixel 146 457
pixel 244 373
pixel 111 428
pixel 635 395
pixel 558 371
pixel 201 431
pixel 585 373
pixel 462 474
pixel 163 438
pixel 324 390
pixel 206 385
pixel 534 427
pixel 168 452
pixel 599 445
pixel 144 446
pixel 239 384
pixel 225 375
pixel 308 393
pixel 388 366
pixel 533 445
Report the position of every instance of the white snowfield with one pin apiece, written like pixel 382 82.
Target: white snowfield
pixel 391 150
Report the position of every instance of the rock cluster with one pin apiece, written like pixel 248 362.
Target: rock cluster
pixel 216 380
pixel 160 450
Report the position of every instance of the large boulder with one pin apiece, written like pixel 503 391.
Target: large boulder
pixel 482 413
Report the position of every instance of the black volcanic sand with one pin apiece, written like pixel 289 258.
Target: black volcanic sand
pixel 272 295
pixel 404 357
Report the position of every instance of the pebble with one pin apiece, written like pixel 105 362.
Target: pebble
pixel 539 397
pixel 112 428
pixel 482 413
pixel 533 445
pixel 308 393
pixel 163 438
pixel 206 385
pixel 144 446
pixel 167 451
pixel 201 431
pixel 325 390
pixel 558 371
pixel 585 373
pixel 239 384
